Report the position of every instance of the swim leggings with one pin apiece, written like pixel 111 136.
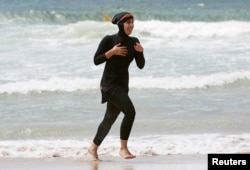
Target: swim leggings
pixel 115 105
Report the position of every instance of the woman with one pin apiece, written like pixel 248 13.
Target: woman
pixel 117 52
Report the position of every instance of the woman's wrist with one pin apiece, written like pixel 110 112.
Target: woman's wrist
pixel 110 53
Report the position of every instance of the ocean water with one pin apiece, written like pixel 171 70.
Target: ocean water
pixel 192 97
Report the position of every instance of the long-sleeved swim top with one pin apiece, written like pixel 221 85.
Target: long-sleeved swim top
pixel 115 78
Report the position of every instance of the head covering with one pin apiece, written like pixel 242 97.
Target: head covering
pixel 119 19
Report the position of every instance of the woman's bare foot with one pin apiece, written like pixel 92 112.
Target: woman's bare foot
pixel 93 152
pixel 126 154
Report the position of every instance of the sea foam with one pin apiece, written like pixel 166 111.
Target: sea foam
pixel 168 83
pixel 144 145
pixel 90 29
pixel 163 29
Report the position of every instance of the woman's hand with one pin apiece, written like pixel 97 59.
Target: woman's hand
pixel 120 50
pixel 117 50
pixel 138 47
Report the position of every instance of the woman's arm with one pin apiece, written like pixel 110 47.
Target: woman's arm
pixel 139 57
pixel 100 56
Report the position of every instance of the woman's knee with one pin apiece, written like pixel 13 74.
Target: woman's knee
pixel 130 112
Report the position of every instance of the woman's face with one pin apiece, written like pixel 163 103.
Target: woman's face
pixel 128 26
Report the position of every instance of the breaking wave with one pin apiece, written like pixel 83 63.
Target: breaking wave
pixel 144 145
pixel 168 83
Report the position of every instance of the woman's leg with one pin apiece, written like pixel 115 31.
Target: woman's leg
pixel 110 116
pixel 103 129
pixel 123 103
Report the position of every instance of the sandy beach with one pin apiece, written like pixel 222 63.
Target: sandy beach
pixel 175 162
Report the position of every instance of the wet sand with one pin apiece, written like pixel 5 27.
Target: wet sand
pixel 175 162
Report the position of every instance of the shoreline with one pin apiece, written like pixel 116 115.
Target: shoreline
pixel 176 162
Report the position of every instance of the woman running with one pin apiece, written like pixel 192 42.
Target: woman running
pixel 117 51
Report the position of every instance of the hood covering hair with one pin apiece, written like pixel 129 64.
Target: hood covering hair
pixel 119 19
